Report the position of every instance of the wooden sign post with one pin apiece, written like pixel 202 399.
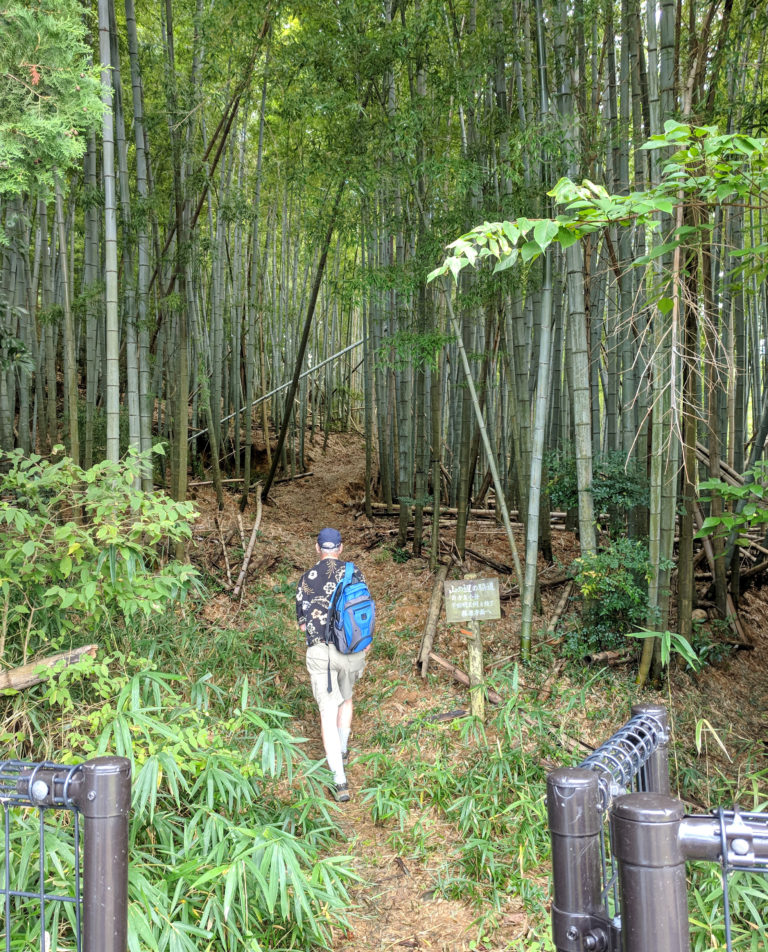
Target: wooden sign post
pixel 471 601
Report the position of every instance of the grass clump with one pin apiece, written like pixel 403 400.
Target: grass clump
pixel 469 801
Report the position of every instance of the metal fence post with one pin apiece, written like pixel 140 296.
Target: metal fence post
pixel 654 903
pixel 579 920
pixel 104 800
pixel 654 774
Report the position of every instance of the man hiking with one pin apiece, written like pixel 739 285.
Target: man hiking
pixel 332 674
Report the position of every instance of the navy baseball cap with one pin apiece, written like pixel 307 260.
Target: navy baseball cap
pixel 329 538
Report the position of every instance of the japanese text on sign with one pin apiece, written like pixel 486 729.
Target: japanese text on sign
pixel 475 599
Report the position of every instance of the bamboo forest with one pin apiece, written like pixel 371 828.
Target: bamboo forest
pixel 480 283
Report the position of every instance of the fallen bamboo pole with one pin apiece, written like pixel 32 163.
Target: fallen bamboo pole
pixel 18 679
pixel 543 583
pixel 727 473
pixel 290 479
pixel 462 678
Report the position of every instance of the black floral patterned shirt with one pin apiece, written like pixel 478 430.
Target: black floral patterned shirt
pixel 313 596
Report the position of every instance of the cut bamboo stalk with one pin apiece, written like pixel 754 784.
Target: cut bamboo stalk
pixel 609 657
pixel 224 550
pixel 432 617
pixel 560 609
pixel 252 542
pixel 475 668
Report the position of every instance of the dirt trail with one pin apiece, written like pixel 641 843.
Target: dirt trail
pixel 396 905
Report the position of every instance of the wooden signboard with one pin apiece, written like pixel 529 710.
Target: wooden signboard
pixel 472 600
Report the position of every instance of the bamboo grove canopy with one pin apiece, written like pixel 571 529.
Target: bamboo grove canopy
pixel 203 202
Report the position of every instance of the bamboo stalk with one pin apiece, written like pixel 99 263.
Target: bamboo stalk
pixel 732 616
pixel 224 550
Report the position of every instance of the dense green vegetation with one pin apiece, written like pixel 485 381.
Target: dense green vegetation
pixel 235 844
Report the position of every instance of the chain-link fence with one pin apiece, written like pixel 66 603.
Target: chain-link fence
pixel 620 843
pixel 64 870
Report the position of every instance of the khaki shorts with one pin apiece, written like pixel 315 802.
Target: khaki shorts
pixel 346 670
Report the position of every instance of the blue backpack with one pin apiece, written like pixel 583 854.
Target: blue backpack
pixel 351 615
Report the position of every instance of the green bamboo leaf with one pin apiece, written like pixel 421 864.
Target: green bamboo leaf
pixel 230 887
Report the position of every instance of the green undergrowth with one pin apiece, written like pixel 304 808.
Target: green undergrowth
pixel 469 801
pixel 234 842
pixel 235 845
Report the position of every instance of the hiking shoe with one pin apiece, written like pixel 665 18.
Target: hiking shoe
pixel 341 792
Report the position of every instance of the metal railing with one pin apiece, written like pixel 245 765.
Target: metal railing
pixel 96 911
pixel 621 886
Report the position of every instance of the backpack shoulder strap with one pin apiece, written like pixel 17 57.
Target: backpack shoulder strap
pixel 344 580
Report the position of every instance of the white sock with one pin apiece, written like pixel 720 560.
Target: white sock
pixel 332 748
pixel 344 733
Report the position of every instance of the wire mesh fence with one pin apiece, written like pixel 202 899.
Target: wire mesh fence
pixel 64 868
pixel 620 844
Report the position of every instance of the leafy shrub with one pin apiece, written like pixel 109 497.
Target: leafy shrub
pixel 80 549
pixel 750 502
pixel 613 588
pixel 618 484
